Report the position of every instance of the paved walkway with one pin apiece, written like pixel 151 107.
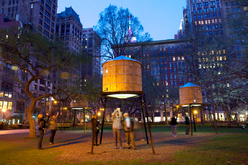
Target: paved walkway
pixel 13 131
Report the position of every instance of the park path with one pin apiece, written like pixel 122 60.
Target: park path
pixel 75 146
pixel 13 131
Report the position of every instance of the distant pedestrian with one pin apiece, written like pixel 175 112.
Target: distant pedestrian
pixel 173 124
pixel 42 128
pixel 53 127
pixel 95 129
pixel 187 124
pixel 117 117
pixel 128 126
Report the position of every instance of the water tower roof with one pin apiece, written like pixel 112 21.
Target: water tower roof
pixel 123 58
pixel 189 85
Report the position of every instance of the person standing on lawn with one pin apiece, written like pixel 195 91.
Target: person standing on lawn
pixel 53 127
pixel 173 124
pixel 117 118
pixel 42 128
pixel 187 124
pixel 95 129
pixel 128 126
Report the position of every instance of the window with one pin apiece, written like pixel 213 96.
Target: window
pixel 212 9
pixel 212 3
pixel 41 8
pixel 199 5
pixel 32 6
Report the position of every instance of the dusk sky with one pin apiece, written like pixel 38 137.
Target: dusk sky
pixel 161 18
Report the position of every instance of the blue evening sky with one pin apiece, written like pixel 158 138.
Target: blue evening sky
pixel 161 18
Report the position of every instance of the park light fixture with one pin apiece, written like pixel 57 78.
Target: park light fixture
pixel 101 109
pixel 55 102
pixel 99 113
pixel 195 112
pixel 65 108
pixel 4 110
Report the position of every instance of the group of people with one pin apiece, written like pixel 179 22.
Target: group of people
pixel 42 125
pixel 128 126
pixel 119 122
pixel 173 124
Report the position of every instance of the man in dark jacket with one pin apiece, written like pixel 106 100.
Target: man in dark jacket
pixel 187 124
pixel 42 128
pixel 95 128
pixel 174 126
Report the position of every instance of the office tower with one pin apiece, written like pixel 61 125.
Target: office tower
pixel 205 17
pixel 38 14
pixel 92 48
pixel 69 29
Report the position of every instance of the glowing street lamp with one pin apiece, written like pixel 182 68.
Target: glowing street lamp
pixel 99 113
pixel 3 110
pixel 194 118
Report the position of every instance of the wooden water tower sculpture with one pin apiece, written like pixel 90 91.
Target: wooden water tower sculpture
pixel 122 74
pixel 189 94
pixel 122 80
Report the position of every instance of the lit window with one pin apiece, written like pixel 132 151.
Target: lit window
pixel 199 59
pixel 228 85
pixel 212 20
pixel 217 58
pixel 10 106
pixel 85 47
pixel 200 66
pixel 166 83
pixel 212 52
pixel 178 58
pixel 224 57
pixel 130 56
pixel 220 58
pixel 245 7
pixel 167 95
pixel 7 36
pixel 182 58
pixel 174 59
pixel 32 6
pixel 224 51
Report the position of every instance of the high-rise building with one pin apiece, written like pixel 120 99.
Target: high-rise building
pixel 39 14
pixel 92 47
pixel 205 17
pixel 69 29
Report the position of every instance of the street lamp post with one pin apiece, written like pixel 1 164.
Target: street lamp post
pixel 149 105
pixel 3 110
pixel 194 118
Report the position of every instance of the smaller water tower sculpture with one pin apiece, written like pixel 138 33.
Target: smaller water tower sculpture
pixel 190 96
pixel 190 93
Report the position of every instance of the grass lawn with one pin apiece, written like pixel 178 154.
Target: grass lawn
pixel 229 147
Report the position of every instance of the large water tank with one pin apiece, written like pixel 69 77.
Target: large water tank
pixel 122 74
pixel 190 93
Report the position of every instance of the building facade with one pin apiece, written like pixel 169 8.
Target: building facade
pixel 205 17
pixel 38 14
pixel 69 29
pixel 92 48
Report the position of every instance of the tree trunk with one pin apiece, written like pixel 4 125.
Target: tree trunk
pixel 32 133
pixel 224 109
pixel 213 109
pixel 217 109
